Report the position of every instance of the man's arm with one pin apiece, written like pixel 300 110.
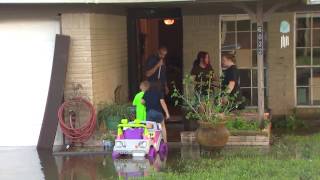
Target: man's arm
pixel 153 69
pixel 165 108
pixel 231 86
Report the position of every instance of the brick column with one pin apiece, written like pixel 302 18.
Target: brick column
pixel 280 66
pixel 77 26
pixel 98 55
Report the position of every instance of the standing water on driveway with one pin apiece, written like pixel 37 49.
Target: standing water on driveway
pixel 290 157
pixel 28 163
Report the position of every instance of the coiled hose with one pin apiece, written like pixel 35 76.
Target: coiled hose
pixel 82 133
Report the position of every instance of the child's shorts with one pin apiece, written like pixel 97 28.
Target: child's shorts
pixel 155 116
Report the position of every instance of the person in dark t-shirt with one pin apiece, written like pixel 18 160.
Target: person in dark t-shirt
pixel 202 70
pixel 154 100
pixel 156 69
pixel 231 80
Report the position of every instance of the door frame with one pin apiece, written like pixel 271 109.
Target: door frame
pixel 133 15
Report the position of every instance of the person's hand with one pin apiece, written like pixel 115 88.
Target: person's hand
pixel 224 100
pixel 167 116
pixel 161 62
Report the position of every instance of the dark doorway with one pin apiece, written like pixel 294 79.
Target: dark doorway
pixel 147 31
pixel 154 33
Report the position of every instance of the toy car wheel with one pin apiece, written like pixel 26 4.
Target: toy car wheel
pixel 115 155
pixel 163 148
pixel 152 152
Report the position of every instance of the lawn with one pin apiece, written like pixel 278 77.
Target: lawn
pixel 290 157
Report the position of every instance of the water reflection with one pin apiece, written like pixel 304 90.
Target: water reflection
pixel 28 163
pixel 138 166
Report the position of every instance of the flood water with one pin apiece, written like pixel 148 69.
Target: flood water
pixel 28 163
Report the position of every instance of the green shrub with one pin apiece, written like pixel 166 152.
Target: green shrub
pixel 240 123
pixel 289 123
pixel 113 110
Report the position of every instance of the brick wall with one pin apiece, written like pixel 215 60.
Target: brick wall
pixel 98 55
pixel 109 56
pixel 281 66
pixel 77 26
pixel 200 33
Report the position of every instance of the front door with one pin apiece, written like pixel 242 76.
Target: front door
pixel 147 30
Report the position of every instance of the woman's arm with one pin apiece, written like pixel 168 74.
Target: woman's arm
pixel 165 108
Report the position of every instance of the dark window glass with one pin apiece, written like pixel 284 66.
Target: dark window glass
pixel 254 97
pixel 316 76
pixel 316 56
pixel 243 25
pixel 245 77
pixel 254 78
pixel 229 39
pixel 244 40
pixel 303 76
pixel 229 25
pixel 316 22
pixel 303 56
pixel 303 38
pixel 304 22
pixel 316 38
pixel 246 93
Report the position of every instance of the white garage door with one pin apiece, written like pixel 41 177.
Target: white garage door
pixel 26 55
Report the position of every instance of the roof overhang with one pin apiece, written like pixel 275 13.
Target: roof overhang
pixel 90 1
pixel 115 1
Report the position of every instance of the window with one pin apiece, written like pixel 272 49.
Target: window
pixel 308 59
pixel 238 31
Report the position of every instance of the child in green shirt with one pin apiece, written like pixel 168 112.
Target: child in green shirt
pixel 141 112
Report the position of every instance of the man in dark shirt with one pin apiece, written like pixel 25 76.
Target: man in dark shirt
pixel 155 103
pixel 156 68
pixel 231 78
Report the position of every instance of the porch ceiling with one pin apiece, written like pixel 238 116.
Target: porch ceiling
pixel 198 7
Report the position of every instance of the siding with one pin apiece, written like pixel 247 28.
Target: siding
pixel 77 26
pixel 281 66
pixel 109 56
pixel 200 33
pixel 98 55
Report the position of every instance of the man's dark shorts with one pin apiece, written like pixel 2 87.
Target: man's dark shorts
pixel 155 116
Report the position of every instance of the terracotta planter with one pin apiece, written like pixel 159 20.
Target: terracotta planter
pixel 212 136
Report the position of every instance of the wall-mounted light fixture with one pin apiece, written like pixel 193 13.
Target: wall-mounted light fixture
pixel 169 22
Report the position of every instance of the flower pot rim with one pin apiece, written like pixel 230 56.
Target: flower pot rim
pixel 223 122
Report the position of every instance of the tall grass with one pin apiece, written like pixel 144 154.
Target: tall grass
pixel 291 157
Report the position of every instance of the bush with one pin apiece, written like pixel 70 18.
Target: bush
pixel 113 110
pixel 240 123
pixel 289 123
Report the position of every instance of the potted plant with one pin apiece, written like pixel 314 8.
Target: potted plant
pixel 111 115
pixel 108 139
pixel 210 109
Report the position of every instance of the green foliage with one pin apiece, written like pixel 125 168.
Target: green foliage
pixel 115 110
pixel 290 123
pixel 242 124
pixel 205 103
pixel 109 135
pixel 293 157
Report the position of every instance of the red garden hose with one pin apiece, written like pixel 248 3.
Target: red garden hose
pixel 82 133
